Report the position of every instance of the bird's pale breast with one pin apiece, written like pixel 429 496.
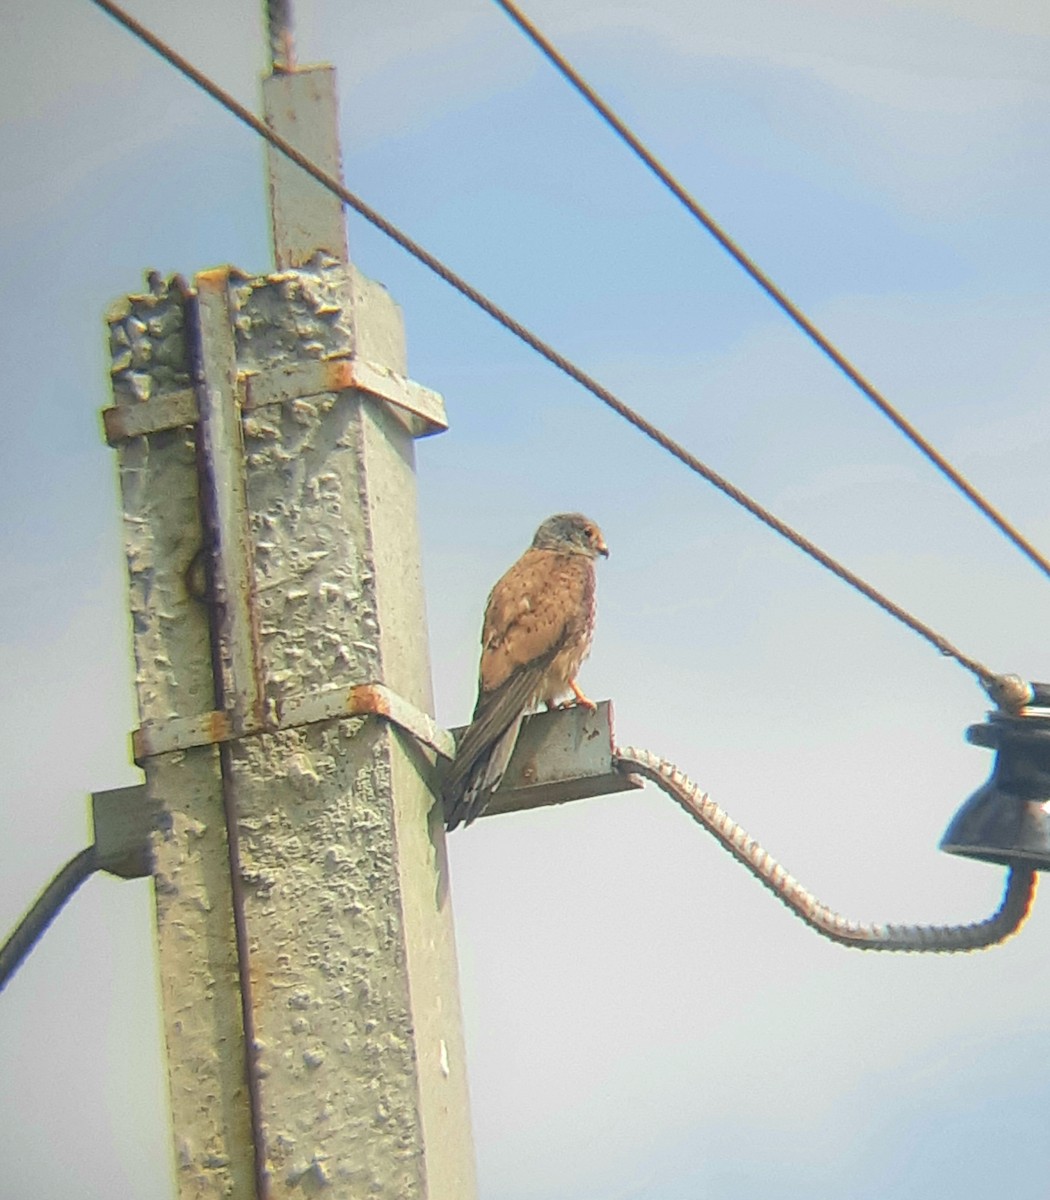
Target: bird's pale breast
pixel 579 630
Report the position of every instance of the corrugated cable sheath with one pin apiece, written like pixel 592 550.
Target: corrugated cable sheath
pixel 930 939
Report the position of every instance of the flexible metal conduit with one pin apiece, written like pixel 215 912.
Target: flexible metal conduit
pixel 937 939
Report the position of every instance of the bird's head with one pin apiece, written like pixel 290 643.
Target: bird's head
pixel 571 533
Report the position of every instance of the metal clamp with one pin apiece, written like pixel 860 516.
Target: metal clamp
pixel 362 700
pixel 422 409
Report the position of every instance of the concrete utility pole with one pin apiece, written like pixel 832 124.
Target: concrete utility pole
pixel 264 428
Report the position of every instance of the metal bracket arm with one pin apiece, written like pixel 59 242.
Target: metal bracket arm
pixel 563 755
pixel 566 754
pixel 362 700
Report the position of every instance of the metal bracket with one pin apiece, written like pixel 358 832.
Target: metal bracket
pixel 296 381
pixel 563 755
pixel 124 818
pixel 567 754
pixel 362 700
pixel 422 409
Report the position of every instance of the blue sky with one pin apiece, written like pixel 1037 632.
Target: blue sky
pixel 643 1021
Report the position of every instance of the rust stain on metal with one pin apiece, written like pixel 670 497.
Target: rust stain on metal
pixel 367 699
pixel 339 375
pixel 215 279
pixel 218 726
pixel 209 729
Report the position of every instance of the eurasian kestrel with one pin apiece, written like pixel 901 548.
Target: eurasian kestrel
pixel 538 625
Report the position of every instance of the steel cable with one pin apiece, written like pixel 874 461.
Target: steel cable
pixel 779 297
pixel 982 672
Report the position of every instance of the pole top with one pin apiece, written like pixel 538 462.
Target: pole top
pixel 302 106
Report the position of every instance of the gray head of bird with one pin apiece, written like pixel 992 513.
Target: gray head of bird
pixel 571 533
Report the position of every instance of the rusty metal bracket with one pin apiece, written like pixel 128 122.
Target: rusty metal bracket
pixel 362 700
pixel 370 699
pixel 300 380
pixel 422 410
pixel 567 754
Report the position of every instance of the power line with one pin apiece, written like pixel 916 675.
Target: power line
pixel 45 908
pixel 530 339
pixel 569 73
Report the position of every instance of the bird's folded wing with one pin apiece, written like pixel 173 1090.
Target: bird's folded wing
pixel 527 615
pixel 471 797
pixel 495 712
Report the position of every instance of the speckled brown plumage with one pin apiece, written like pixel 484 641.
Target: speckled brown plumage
pixel 537 631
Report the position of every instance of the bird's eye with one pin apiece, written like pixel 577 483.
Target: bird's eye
pixel 588 531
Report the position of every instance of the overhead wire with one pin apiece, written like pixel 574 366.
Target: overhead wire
pixel 775 293
pixel 43 911
pixel 641 423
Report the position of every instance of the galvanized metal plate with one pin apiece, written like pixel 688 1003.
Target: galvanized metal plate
pixel 123 819
pixel 567 754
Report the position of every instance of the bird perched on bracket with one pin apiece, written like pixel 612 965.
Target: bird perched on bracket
pixel 537 631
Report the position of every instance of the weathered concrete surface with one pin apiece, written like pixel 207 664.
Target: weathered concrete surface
pixel 163 540
pixel 352 962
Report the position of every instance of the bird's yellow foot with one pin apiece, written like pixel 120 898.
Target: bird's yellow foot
pixel 586 701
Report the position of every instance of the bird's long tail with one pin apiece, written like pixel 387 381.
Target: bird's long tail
pixel 487 743
pixel 482 779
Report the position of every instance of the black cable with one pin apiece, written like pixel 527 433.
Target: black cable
pixel 530 339
pixel 786 305
pixel 47 906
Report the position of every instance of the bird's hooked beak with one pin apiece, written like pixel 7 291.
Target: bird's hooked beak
pixel 602 548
